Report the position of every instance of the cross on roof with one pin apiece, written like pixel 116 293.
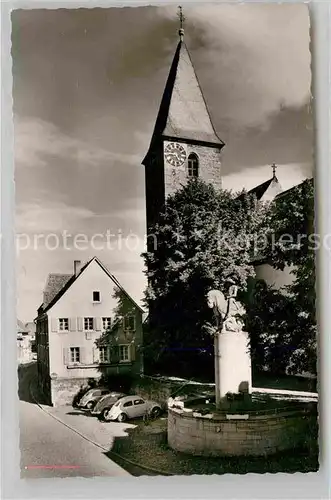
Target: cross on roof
pixel 274 167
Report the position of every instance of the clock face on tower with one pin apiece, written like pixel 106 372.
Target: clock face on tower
pixel 175 154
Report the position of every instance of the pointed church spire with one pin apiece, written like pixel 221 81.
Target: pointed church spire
pixel 183 113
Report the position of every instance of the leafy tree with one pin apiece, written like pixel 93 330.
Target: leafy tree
pixel 203 238
pixel 271 317
pixel 110 340
pixel 282 323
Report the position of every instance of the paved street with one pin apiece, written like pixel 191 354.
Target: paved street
pixel 46 442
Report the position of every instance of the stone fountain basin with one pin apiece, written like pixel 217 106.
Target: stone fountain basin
pixel 254 425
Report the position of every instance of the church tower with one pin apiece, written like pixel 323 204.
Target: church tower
pixel 184 143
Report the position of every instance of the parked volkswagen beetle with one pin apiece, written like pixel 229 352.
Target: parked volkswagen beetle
pixel 90 399
pixel 133 407
pixel 103 406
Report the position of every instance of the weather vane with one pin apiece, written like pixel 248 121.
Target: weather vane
pixel 181 16
pixel 181 20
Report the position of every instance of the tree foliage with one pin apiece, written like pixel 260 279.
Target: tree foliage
pixel 202 240
pixel 115 334
pixel 283 323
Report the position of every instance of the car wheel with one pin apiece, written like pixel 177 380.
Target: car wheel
pixel 90 405
pixel 105 415
pixel 122 417
pixel 156 412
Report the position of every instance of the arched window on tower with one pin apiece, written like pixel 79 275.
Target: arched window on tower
pixel 193 165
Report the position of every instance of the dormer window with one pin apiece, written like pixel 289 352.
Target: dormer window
pixel 193 165
pixel 96 296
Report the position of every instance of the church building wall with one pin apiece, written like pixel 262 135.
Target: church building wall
pixel 209 168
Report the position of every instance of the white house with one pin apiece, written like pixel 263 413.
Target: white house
pixel 75 312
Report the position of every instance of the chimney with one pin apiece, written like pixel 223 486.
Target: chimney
pixel 77 266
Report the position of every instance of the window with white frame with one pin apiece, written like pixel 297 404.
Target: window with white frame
pixel 88 324
pixel 74 354
pixel 103 354
pixel 106 324
pixel 63 324
pixel 129 323
pixel 96 296
pixel 124 352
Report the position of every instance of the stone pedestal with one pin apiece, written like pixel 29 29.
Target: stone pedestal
pixel 233 371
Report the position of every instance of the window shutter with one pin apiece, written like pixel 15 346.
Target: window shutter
pixel 97 324
pixel 80 324
pixel 95 353
pixel 132 352
pixel 54 323
pixel 72 324
pixel 82 355
pixel 65 356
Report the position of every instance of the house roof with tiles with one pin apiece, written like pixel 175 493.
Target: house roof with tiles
pixel 55 283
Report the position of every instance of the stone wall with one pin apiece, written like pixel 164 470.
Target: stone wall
pixel 64 390
pixel 258 435
pixel 153 389
pixel 160 390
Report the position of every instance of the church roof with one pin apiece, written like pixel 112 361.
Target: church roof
pixel 259 190
pixel 272 185
pixel 183 113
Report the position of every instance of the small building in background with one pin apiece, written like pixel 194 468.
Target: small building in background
pixel 23 342
pixel 77 311
pixel 270 191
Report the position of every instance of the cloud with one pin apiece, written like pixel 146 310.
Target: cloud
pixel 53 217
pixel 49 217
pixel 37 140
pixel 86 90
pixel 34 265
pixel 257 55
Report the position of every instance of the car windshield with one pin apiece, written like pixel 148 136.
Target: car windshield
pixel 117 403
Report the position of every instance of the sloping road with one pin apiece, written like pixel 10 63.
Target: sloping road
pixel 45 442
pixel 50 449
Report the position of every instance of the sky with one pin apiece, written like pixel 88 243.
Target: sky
pixel 87 84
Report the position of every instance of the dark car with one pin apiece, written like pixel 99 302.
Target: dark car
pixel 103 406
pixel 91 398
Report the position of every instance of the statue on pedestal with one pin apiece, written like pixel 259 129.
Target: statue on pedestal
pixel 228 311
pixel 229 350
